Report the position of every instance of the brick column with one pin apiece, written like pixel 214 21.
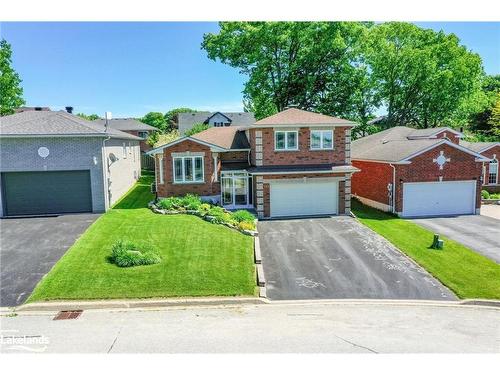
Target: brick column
pixel 259 193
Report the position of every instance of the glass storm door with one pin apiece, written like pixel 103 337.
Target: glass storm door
pixel 235 190
pixel 240 191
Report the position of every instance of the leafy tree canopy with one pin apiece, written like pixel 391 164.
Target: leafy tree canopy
pixel 314 65
pixel 197 128
pixel 10 84
pixel 91 117
pixel 155 119
pixel 171 116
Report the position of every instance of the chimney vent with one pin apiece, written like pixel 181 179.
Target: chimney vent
pixel 69 109
pixel 38 108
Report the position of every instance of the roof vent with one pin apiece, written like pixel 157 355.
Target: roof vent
pixel 69 109
pixel 38 108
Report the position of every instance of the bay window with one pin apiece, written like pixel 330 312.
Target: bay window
pixel 188 169
pixel 286 140
pixel 321 139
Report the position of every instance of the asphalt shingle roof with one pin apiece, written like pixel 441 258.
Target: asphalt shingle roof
pixel 237 118
pixel 126 124
pixel 294 116
pixel 43 123
pixel 228 137
pixel 478 146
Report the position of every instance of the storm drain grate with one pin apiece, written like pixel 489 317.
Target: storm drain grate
pixel 70 314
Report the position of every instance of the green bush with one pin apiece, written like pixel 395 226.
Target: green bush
pixel 128 254
pixel 220 215
pixel 197 128
pixel 191 202
pixel 171 203
pixel 243 216
pixel 495 196
pixel 485 194
pixel 245 225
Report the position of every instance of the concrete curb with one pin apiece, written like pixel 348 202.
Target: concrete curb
pixel 261 279
pixel 135 303
pixel 256 250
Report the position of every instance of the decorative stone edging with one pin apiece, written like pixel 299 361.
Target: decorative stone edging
pixel 490 201
pixel 208 218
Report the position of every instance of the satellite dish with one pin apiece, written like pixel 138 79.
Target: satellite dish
pixel 113 157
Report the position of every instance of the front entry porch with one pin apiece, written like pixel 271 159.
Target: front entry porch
pixel 236 190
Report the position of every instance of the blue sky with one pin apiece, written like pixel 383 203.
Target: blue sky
pixel 134 68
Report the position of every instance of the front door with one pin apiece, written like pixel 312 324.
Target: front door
pixel 235 192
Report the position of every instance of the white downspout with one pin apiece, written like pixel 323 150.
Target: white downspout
pixel 105 173
pixel 393 203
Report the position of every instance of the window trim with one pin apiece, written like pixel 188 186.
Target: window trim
pixel 143 132
pixel 286 140
pixel 161 170
pixel 193 161
pixel 321 146
pixel 494 161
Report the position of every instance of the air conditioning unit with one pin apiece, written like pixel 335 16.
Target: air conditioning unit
pixel 153 188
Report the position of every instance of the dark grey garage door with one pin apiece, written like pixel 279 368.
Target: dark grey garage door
pixel 38 193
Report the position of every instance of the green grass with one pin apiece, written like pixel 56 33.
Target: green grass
pixel 465 272
pixel 198 258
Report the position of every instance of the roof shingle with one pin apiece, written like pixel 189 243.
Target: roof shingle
pixel 294 116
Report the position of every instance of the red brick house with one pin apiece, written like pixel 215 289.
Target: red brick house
pixel 294 163
pixel 424 172
pixel 490 150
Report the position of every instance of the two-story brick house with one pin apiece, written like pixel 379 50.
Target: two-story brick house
pixel 490 150
pixel 294 163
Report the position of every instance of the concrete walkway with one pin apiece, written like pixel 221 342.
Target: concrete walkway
pixel 320 327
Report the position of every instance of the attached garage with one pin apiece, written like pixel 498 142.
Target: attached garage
pixel 439 198
pixel 51 192
pixel 304 197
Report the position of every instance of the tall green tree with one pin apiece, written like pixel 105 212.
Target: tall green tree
pixel 314 65
pixel 424 78
pixel 91 117
pixel 481 107
pixel 171 116
pixel 10 84
pixel 494 120
pixel 155 119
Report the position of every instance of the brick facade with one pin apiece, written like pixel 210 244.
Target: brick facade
pixel 449 135
pixel 371 182
pixel 304 155
pixel 491 153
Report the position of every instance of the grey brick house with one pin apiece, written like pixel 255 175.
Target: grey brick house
pixel 186 121
pixel 53 162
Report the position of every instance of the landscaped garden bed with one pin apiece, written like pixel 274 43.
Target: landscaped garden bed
pixel 190 204
pixel 490 198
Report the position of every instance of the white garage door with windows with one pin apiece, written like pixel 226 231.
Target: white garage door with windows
pixel 304 197
pixel 439 198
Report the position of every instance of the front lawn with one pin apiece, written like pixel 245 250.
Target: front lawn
pixel 465 272
pixel 198 258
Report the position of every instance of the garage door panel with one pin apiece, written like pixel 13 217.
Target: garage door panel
pixel 304 198
pixel 34 193
pixel 439 198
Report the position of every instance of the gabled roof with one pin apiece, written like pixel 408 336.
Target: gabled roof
pixel 479 146
pixel 430 132
pixel 230 138
pixel 54 123
pixel 398 144
pixel 219 113
pixel 294 116
pixel 237 118
pixel 126 124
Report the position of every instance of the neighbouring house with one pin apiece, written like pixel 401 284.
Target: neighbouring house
pixel 294 163
pixel 186 121
pixel 417 172
pixel 490 150
pixel 26 109
pixel 53 162
pixel 132 126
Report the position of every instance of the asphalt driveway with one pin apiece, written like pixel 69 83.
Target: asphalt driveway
pixel 477 232
pixel 339 257
pixel 29 248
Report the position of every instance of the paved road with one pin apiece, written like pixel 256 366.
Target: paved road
pixel 339 258
pixel 278 327
pixel 29 248
pixel 480 233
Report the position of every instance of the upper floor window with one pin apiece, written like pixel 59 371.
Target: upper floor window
pixel 493 175
pixel 188 169
pixel 286 140
pixel 321 139
pixel 143 134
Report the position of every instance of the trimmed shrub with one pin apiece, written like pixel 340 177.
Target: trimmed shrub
pixel 128 254
pixel 171 203
pixel 495 196
pixel 485 194
pixel 220 216
pixel 242 215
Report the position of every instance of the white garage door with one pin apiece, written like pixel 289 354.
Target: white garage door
pixel 439 198
pixel 304 197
